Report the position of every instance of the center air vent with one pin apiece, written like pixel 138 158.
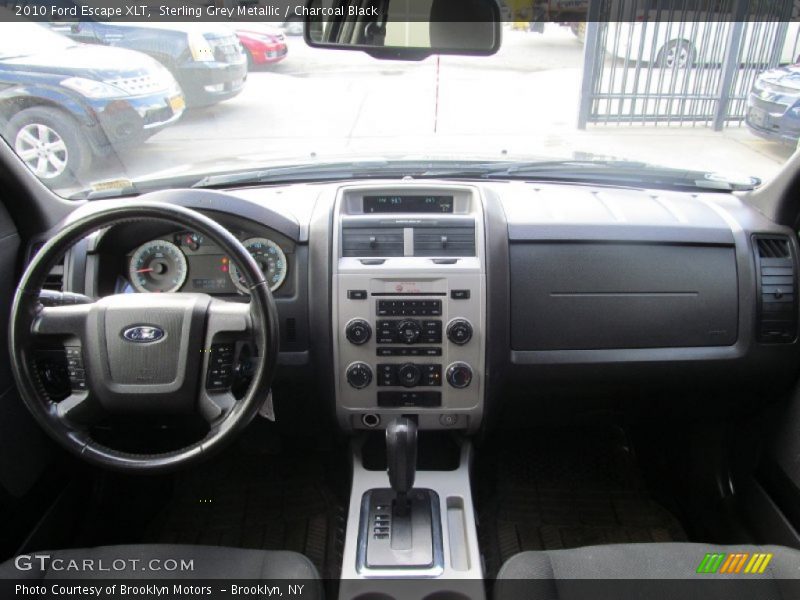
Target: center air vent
pixel 372 241
pixel 777 289
pixel 444 241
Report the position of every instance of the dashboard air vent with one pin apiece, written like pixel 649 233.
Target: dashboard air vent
pixel 777 289
pixel 55 278
pixel 444 241
pixel 371 241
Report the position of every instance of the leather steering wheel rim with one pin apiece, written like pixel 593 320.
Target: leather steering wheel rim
pixel 263 329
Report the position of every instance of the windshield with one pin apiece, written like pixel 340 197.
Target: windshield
pixel 248 96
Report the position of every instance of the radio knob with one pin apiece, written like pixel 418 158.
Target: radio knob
pixel 408 331
pixel 358 332
pixel 359 375
pixel 408 375
pixel 459 375
pixel 459 331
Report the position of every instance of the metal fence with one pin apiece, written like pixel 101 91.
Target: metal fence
pixel 679 61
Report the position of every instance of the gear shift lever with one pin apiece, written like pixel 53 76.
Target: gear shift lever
pixel 401 453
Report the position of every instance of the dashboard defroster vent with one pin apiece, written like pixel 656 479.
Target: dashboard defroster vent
pixel 776 277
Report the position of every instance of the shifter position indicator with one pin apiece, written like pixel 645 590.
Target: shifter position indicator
pixel 402 521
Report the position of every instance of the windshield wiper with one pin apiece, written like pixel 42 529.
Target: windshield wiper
pixel 300 173
pixel 585 171
pixel 607 172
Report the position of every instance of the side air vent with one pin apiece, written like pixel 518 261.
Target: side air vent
pixel 371 241
pixel 55 279
pixel 777 290
pixel 444 241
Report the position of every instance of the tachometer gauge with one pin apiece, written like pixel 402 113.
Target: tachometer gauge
pixel 270 259
pixel 158 266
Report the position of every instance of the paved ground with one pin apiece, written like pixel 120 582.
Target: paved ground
pixel 521 102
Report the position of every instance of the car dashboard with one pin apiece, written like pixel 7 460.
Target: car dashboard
pixel 446 299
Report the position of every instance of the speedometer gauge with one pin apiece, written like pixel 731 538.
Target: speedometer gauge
pixel 271 260
pixel 158 266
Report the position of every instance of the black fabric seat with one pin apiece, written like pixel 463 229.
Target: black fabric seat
pixel 657 571
pixel 207 562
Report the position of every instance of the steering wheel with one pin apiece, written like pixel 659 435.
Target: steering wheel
pixel 142 354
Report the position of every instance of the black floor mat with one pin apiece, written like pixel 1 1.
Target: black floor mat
pixel 563 489
pixel 246 499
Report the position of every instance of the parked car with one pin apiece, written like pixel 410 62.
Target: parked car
pixel 682 44
pixel 773 106
pixel 206 58
pixel 64 103
pixel 262 44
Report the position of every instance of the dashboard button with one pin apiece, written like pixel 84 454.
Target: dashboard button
pixel 409 375
pixel 358 332
pixel 408 331
pixel 359 375
pixel 356 294
pixel 459 331
pixel 459 375
pixel 459 294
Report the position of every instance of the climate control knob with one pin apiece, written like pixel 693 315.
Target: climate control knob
pixel 408 331
pixel 459 331
pixel 358 332
pixel 359 375
pixel 409 375
pixel 459 375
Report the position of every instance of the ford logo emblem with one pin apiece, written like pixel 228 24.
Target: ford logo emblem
pixel 142 334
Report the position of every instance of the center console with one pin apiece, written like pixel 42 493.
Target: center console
pixel 409 297
pixel 409 323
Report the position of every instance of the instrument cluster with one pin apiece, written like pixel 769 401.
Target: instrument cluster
pixel 186 262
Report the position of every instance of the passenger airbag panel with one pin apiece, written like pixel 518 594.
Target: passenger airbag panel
pixel 586 296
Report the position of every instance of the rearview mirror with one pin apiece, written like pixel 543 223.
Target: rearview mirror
pixel 404 29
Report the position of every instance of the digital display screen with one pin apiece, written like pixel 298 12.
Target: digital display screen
pixel 209 273
pixel 408 204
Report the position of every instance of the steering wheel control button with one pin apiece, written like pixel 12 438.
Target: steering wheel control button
pixel 221 354
pixel 459 331
pixel 409 375
pixel 358 332
pixel 356 294
pixel 459 294
pixel 75 369
pixel 359 375
pixel 459 375
pixel 220 367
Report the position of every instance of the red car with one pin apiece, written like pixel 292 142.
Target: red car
pixel 263 45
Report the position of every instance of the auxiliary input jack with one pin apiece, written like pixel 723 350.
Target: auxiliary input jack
pixel 370 420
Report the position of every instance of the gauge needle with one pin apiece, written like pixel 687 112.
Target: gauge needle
pixel 145 270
